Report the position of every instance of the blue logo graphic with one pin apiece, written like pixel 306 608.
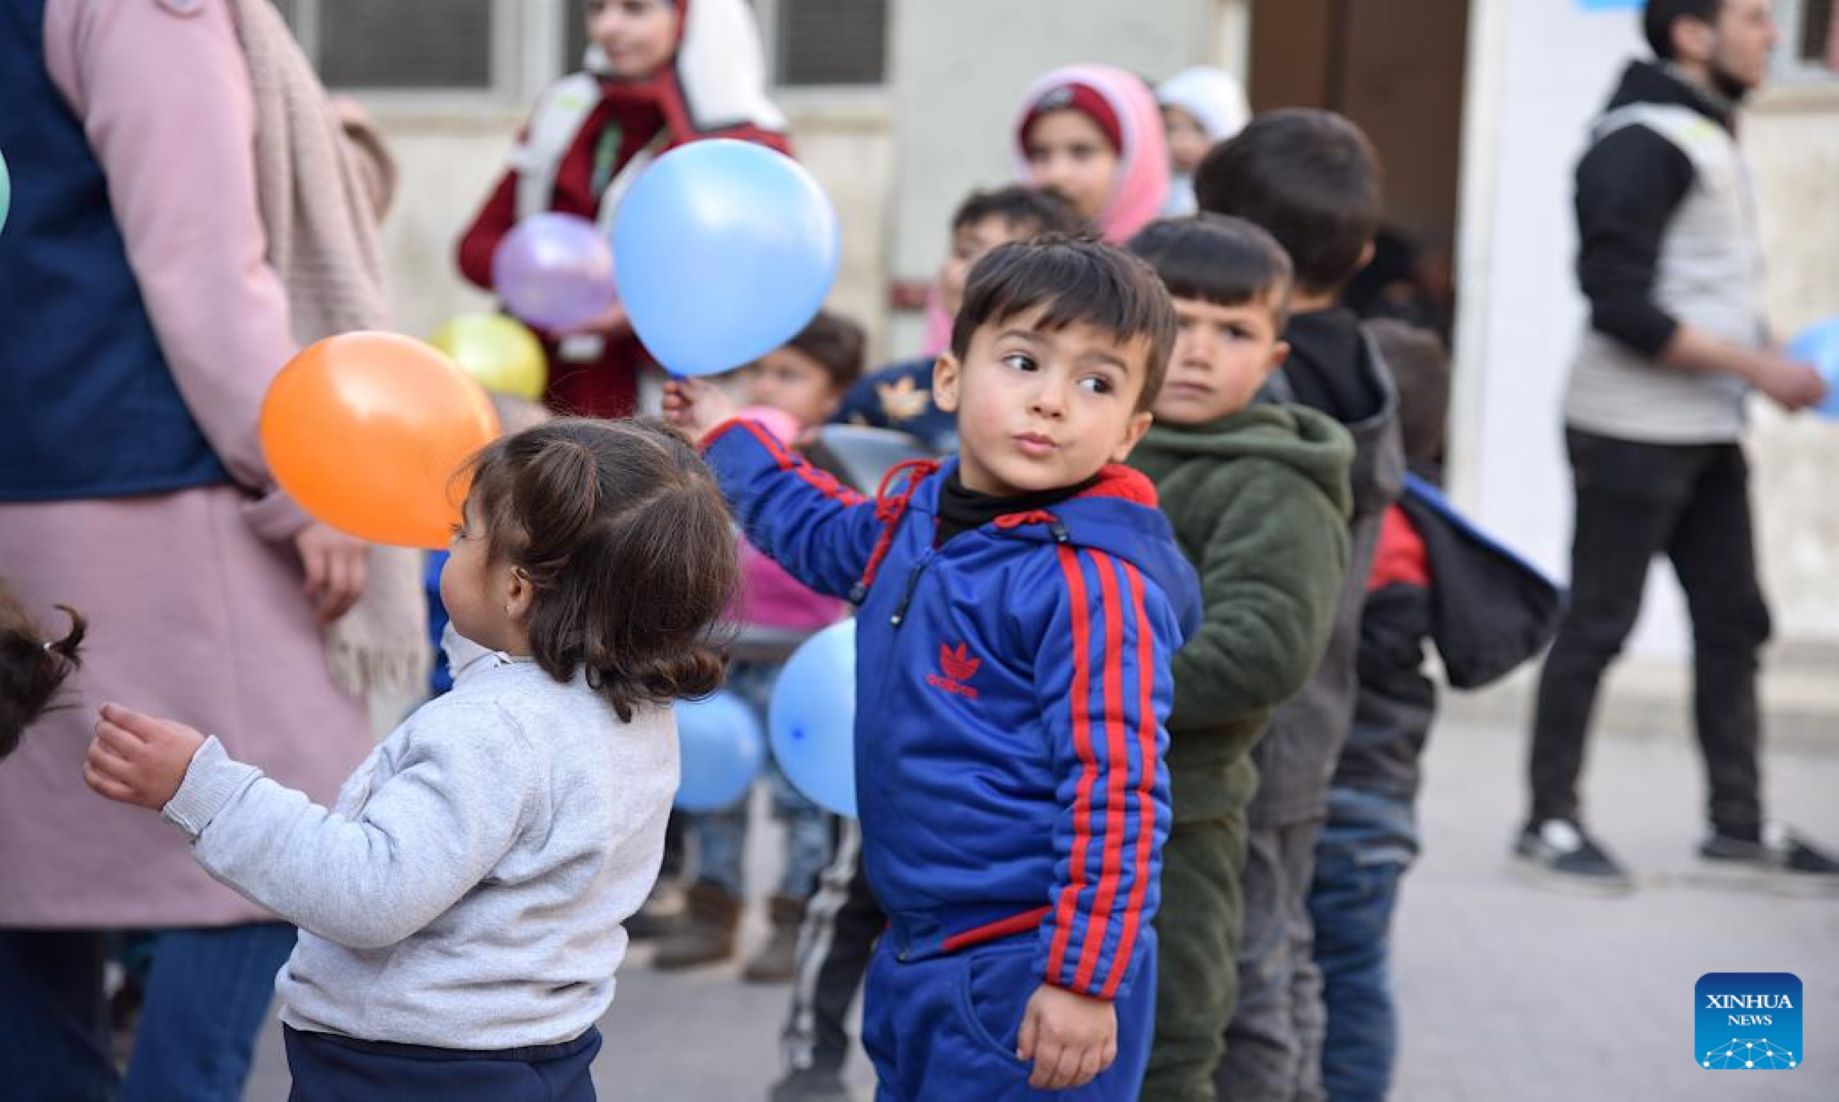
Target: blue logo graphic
pixel 1748 1021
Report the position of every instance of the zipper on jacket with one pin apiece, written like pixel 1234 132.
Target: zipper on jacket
pixel 906 595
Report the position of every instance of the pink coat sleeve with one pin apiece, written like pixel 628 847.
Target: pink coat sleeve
pixel 165 100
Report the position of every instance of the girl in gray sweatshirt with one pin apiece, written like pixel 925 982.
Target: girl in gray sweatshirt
pixel 460 905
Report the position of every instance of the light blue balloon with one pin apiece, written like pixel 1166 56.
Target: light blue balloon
pixel 6 191
pixel 812 720
pixel 723 250
pixel 721 748
pixel 1818 344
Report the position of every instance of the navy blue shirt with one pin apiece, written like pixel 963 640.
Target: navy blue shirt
pixel 900 398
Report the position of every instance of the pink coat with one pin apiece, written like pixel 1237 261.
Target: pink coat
pixel 771 598
pixel 194 598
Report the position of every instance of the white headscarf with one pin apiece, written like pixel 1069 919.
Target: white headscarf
pixel 1217 101
pixel 1212 96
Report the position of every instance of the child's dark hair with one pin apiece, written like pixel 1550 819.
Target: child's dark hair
pixel 1311 178
pixel 621 530
pixel 1658 17
pixel 1076 281
pixel 1035 210
pixel 1218 259
pixel 1421 370
pixel 837 343
pixel 33 666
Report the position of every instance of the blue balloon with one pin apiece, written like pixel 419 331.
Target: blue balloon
pixel 1818 344
pixel 719 742
pixel 723 250
pixel 6 192
pixel 812 720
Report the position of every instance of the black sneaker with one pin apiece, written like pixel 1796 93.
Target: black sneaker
pixel 1557 853
pixel 1779 851
pixel 814 1084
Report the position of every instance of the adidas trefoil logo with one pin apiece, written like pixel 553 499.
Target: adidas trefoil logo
pixel 959 666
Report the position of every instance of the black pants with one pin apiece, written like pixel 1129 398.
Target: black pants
pixel 342 1069
pixel 1635 501
pixel 842 924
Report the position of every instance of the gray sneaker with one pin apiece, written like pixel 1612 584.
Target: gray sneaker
pixel 1557 853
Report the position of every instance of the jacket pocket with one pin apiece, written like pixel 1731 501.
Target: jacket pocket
pixel 994 986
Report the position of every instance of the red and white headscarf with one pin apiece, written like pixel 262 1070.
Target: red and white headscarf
pixel 1125 109
pixel 715 85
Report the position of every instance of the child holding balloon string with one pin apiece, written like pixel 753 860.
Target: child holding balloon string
pixel 842 919
pixel 1019 605
pixel 460 907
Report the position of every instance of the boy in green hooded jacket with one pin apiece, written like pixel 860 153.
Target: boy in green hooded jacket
pixel 1258 496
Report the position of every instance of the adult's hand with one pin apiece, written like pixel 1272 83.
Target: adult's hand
pixel 336 568
pixel 1789 384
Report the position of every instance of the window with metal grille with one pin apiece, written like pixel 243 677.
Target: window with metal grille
pixel 818 43
pixel 812 43
pixel 402 45
pixel 501 51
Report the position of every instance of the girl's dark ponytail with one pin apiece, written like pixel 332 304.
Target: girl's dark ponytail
pixel 32 667
pixel 622 531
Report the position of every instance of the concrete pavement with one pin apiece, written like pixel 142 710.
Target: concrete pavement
pixel 1508 992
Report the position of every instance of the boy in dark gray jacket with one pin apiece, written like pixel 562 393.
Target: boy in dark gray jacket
pixel 1312 179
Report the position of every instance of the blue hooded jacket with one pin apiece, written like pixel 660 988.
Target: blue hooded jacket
pixel 1011 688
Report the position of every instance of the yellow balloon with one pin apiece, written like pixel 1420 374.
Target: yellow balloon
pixel 498 351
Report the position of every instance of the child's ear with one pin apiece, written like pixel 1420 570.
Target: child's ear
pixel 519 593
pixel 947 374
pixel 1133 431
pixel 1366 255
pixel 1280 352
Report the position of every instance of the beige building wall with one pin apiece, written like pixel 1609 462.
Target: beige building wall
pixel 1792 137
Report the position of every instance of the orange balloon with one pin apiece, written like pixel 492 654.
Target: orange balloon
pixel 368 433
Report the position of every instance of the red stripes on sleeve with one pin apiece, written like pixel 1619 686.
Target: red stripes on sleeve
pixel 1116 769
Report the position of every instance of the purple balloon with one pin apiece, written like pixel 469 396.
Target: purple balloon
pixel 555 271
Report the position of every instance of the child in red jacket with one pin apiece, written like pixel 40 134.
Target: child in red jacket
pixel 659 74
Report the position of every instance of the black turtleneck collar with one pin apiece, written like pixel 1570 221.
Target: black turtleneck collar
pixel 961 509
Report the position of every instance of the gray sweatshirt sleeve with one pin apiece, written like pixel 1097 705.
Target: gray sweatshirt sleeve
pixel 426 836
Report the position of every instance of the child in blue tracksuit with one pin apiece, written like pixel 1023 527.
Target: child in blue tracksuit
pixel 1019 606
